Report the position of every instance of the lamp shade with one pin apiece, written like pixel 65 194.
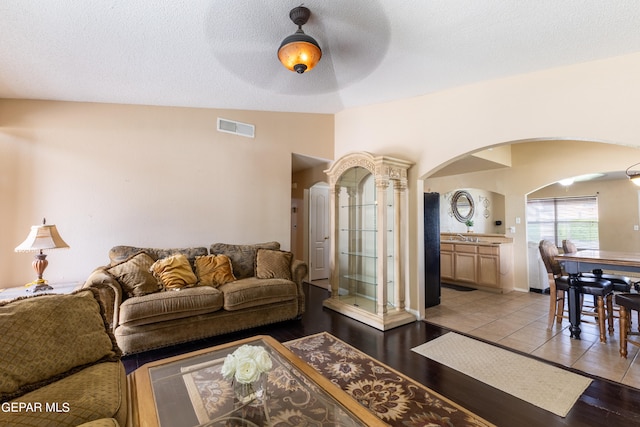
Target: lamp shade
pixel 42 237
pixel 299 52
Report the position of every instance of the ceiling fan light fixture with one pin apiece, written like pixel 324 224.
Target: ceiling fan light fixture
pixel 299 52
pixel 633 175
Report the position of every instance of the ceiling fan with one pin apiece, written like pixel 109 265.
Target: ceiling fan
pixel 353 38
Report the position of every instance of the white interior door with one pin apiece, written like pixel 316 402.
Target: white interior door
pixel 319 236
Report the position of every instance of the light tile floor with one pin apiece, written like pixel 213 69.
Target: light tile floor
pixel 518 320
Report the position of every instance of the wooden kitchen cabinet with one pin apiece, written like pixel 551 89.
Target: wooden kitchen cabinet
pixel 481 265
pixel 447 261
pixel 489 266
pixel 465 263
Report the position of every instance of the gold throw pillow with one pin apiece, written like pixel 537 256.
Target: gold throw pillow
pixel 214 270
pixel 271 264
pixel 174 272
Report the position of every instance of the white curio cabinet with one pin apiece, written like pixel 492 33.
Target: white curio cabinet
pixel 369 246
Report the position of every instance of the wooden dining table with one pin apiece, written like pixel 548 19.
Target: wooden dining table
pixel 586 261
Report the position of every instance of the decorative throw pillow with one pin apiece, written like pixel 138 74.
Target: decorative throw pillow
pixel 134 275
pixel 174 272
pixel 214 270
pixel 272 264
pixel 243 257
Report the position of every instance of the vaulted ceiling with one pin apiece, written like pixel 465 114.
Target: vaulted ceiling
pixel 222 53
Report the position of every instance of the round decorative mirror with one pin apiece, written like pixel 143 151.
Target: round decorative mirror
pixel 462 205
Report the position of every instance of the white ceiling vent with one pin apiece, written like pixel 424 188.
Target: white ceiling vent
pixel 237 128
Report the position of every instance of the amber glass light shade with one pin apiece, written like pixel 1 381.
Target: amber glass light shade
pixel 300 54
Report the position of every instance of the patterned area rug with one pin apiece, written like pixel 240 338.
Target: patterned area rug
pixel 396 399
pixel 550 388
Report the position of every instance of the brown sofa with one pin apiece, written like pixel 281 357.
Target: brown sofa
pixel 252 285
pixel 60 363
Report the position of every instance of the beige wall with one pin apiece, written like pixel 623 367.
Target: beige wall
pixel 594 101
pixel 144 176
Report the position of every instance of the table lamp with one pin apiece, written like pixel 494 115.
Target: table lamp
pixel 41 237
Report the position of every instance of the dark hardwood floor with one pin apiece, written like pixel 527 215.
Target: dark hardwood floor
pixel 604 403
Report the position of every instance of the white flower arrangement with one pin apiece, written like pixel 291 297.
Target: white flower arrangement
pixel 246 364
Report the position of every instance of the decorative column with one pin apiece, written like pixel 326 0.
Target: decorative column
pixel 399 190
pixel 382 184
pixel 334 255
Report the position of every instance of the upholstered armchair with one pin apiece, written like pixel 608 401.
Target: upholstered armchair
pixel 59 357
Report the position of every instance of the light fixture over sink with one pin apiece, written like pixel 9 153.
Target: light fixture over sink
pixel 299 52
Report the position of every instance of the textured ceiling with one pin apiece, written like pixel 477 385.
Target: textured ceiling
pixel 222 53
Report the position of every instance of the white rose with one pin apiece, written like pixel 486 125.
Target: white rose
pixel 247 371
pixel 264 361
pixel 229 367
pixel 244 352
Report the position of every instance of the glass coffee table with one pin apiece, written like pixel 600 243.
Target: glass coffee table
pixel 189 390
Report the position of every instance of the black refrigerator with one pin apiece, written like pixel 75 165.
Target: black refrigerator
pixel 432 249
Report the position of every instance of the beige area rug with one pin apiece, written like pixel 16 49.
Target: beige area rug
pixel 553 389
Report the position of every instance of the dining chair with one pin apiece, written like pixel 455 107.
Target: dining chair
pixel 601 289
pixel 627 302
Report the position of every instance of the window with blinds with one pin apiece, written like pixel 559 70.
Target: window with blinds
pixel 574 218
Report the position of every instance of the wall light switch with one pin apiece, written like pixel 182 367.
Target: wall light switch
pixel 636 228
pixel 517 220
pixel 512 229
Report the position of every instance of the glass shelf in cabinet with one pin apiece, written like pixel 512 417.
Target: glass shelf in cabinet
pixel 370 280
pixel 360 205
pixel 359 254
